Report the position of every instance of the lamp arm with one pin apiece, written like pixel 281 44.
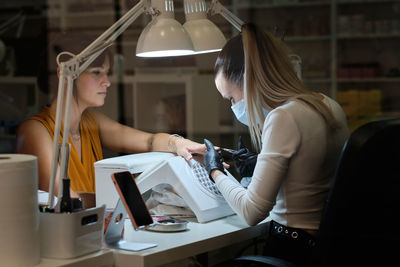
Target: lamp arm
pixel 55 148
pixel 217 8
pixel 105 39
pixel 69 71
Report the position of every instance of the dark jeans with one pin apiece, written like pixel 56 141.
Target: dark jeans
pixel 291 244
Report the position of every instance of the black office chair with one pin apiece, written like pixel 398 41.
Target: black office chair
pixel 359 225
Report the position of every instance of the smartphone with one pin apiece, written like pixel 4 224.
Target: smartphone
pixel 132 199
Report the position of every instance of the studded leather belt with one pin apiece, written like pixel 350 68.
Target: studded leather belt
pixel 286 232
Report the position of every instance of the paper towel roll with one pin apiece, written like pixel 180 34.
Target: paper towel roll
pixel 19 219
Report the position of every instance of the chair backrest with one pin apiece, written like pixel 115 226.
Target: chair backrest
pixel 359 223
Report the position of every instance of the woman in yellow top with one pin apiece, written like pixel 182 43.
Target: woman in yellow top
pixel 89 131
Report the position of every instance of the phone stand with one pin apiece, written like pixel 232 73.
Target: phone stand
pixel 113 237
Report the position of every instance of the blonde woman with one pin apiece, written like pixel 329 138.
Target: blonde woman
pixel 299 135
pixel 89 132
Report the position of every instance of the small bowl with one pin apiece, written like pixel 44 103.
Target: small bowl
pixel 167 224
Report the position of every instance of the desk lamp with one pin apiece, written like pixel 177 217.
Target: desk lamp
pixel 162 37
pixel 205 35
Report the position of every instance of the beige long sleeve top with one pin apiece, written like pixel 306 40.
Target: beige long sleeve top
pixel 294 168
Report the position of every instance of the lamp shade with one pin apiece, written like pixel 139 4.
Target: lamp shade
pixel 205 35
pixel 164 36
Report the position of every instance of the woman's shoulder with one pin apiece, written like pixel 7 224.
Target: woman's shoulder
pixel 27 125
pixel 300 108
pixel 42 120
pixel 331 103
pixel 291 113
pixel 282 115
pixel 31 126
pixel 289 108
pixel 31 133
pixel 36 122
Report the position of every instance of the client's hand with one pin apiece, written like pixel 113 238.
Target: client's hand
pixel 212 159
pixel 185 147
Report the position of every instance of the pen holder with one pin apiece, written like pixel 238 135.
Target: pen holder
pixel 69 235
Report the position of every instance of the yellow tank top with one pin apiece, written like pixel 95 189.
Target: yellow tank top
pixel 81 172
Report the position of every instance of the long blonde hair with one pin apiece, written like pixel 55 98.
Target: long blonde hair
pixel 259 64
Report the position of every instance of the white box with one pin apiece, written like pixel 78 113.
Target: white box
pixel 189 181
pixel 106 194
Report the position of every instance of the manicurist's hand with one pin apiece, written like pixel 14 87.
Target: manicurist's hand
pixel 212 159
pixel 245 161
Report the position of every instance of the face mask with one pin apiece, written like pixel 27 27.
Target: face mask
pixel 239 109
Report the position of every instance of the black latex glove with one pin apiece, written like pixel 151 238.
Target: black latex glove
pixel 245 161
pixel 212 159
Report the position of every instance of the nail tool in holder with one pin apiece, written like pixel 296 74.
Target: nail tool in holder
pixel 65 204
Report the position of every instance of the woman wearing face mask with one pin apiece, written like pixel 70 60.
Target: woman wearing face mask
pixel 299 136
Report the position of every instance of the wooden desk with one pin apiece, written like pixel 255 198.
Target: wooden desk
pixel 198 239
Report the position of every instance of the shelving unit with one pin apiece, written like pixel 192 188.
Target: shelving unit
pixel 352 56
pixel 368 37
